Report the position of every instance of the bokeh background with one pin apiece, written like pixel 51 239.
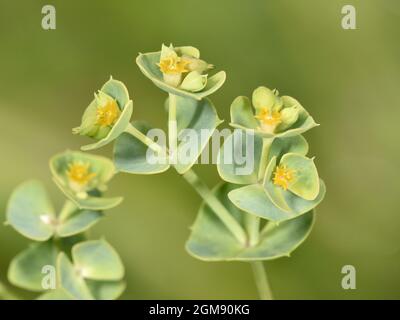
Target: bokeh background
pixel 347 79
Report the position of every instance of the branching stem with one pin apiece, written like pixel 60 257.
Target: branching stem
pixel 143 138
pixel 213 202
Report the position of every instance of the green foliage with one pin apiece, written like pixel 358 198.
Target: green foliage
pixel 97 270
pixel 82 177
pixel 26 268
pixel 131 153
pixel 31 213
pixel 263 213
pixel 195 122
pixel 192 118
pixel 261 196
pixel 210 240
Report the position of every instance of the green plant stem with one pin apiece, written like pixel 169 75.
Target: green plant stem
pixel 220 210
pixel 264 157
pixel 5 293
pixel 252 224
pixel 143 138
pixel 194 180
pixel 68 208
pixel 172 128
pixel 190 176
pixel 261 280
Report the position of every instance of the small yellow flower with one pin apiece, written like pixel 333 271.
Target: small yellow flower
pixel 173 65
pixel 283 176
pixel 78 173
pixel 108 114
pixel 269 118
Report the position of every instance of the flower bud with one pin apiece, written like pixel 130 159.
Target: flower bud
pixel 263 98
pixel 288 117
pixel 172 66
pixel 194 82
pixel 278 105
pixel 197 64
pixel 172 79
pixel 99 117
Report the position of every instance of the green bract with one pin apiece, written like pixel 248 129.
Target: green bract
pixel 196 121
pixel 31 213
pixel 26 269
pixel 273 116
pixel 131 155
pixel 107 116
pixel 83 177
pixel 268 193
pixel 263 211
pixel 180 71
pixel 96 271
pixel 210 240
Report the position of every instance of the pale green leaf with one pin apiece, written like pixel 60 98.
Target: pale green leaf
pixel 210 240
pixel 30 211
pixel 26 269
pixel 97 260
pixel 71 280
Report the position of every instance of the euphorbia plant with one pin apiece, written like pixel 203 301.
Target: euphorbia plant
pixel 261 214
pixel 62 263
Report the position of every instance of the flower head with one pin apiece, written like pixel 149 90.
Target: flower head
pixel 269 119
pixel 176 62
pixel 79 174
pixel 180 71
pixel 173 65
pixel 107 113
pixel 283 176
pixel 99 117
pixel 83 178
pixel 271 112
pixel 270 115
pixel 107 116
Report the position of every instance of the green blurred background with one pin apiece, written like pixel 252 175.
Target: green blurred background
pixel 347 79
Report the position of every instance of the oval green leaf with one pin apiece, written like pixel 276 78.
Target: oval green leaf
pixel 196 122
pixel 97 260
pixel 132 156
pixel 117 90
pixel 30 211
pixel 254 200
pixel 70 280
pixel 242 113
pixel 106 290
pixel 239 157
pixel 306 180
pixel 210 240
pixel 279 147
pixel 26 268
pixel 78 222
